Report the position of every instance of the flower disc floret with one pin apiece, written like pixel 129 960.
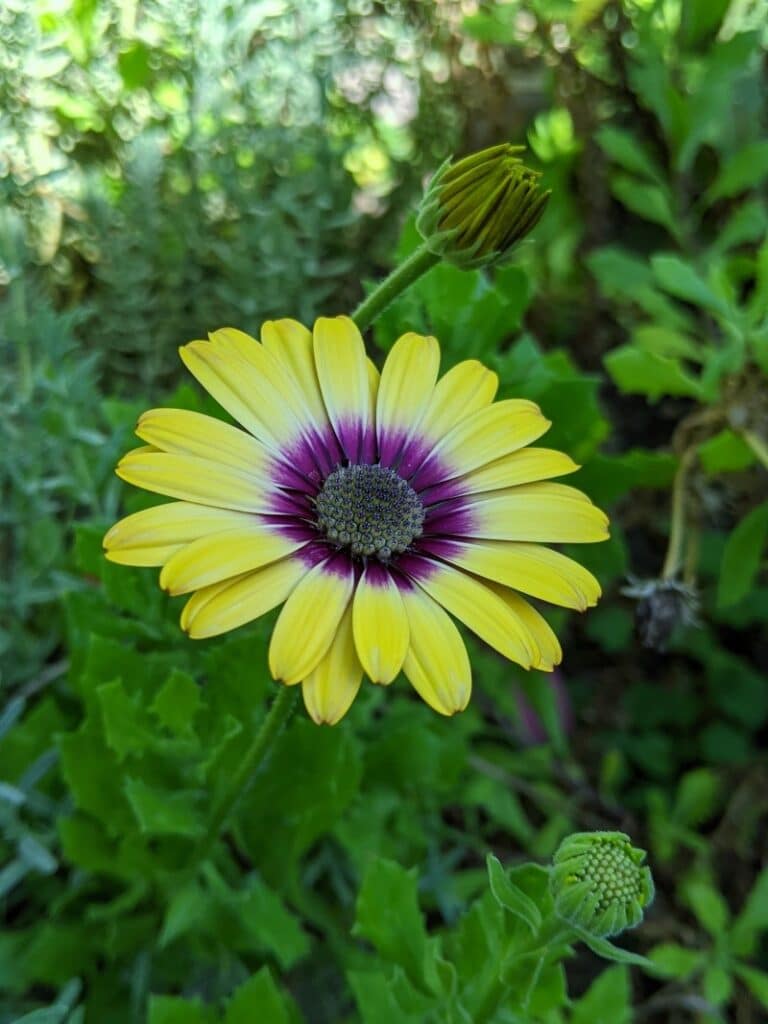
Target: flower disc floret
pixel 370 510
pixel 599 882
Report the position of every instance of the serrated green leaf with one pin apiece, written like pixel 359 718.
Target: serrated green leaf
pixel 124 730
pixel 628 151
pixel 175 1010
pixel 177 702
pixel 675 961
pixel 741 171
pixel 726 452
pixel 162 812
pixel 644 373
pixel 510 896
pixel 651 202
pixel 680 279
pixel 742 556
pixel 259 999
pixel 607 1000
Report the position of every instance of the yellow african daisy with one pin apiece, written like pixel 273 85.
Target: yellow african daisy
pixel 376 507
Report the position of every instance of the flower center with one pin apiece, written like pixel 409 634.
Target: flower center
pixel 369 509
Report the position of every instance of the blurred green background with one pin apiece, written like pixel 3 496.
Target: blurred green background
pixel 170 167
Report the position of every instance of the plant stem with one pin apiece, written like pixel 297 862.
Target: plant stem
pixel 402 277
pixel 254 757
pixel 674 556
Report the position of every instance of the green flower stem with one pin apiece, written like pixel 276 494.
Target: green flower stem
pixel 263 742
pixel 402 277
pixel 674 556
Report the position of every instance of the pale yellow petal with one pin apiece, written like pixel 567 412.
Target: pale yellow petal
pixel 483 611
pixel 197 480
pixel 436 664
pixel 222 555
pixel 150 537
pixel 291 344
pixel 380 626
pixel 257 397
pixel 550 652
pixel 551 513
pixel 463 390
pixel 406 388
pixel 521 467
pixel 182 432
pixel 342 369
pixel 490 433
pixel 223 606
pixel 308 621
pixel 329 690
pixel 531 568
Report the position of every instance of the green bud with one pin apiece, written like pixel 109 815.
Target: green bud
pixel 477 209
pixel 599 883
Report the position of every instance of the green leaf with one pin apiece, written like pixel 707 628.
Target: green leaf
pixel 742 557
pixel 708 905
pixel 174 1010
pixel 742 171
pixel 717 985
pixel 675 961
pixel 756 981
pixel 681 280
pixel 644 373
pixel 377 1001
pixel 753 918
pixel 509 896
pixel 726 452
pixel 388 915
pixel 651 202
pixel 161 812
pixel 124 731
pixel 259 999
pixel 177 702
pixel 700 21
pixel 628 151
pixel 606 1001
pixel 605 949
pixel 698 796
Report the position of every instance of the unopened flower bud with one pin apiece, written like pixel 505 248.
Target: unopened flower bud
pixel 599 882
pixel 477 209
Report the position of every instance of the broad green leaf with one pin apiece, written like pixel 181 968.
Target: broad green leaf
pixel 174 1010
pixel 698 796
pixel 607 1000
pixel 742 556
pixel 725 452
pixel 675 961
pixel 681 280
pixel 259 999
pixel 743 170
pixel 376 1000
pixel 756 981
pixel 708 905
pixel 753 918
pixel 177 702
pixel 717 985
pixel 628 151
pixel 388 915
pixel 93 777
pixel 700 21
pixel 124 730
pixel 509 896
pixel 666 342
pixel 637 372
pixel 162 812
pixel 650 202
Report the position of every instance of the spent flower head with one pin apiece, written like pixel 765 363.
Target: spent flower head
pixel 599 882
pixel 477 209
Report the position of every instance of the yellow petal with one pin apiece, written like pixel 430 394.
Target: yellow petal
pixel 150 537
pixel 480 608
pixel 380 626
pixel 291 344
pixel 191 433
pixel 342 370
pixel 407 384
pixel 552 513
pixel 257 397
pixel 329 690
pixel 223 606
pixel 194 479
pixel 536 570
pixel 308 621
pixel 550 652
pixel 374 379
pixel 222 555
pixel 521 467
pixel 436 663
pixel 463 390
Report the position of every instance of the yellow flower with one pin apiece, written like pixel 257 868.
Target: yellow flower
pixel 375 507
